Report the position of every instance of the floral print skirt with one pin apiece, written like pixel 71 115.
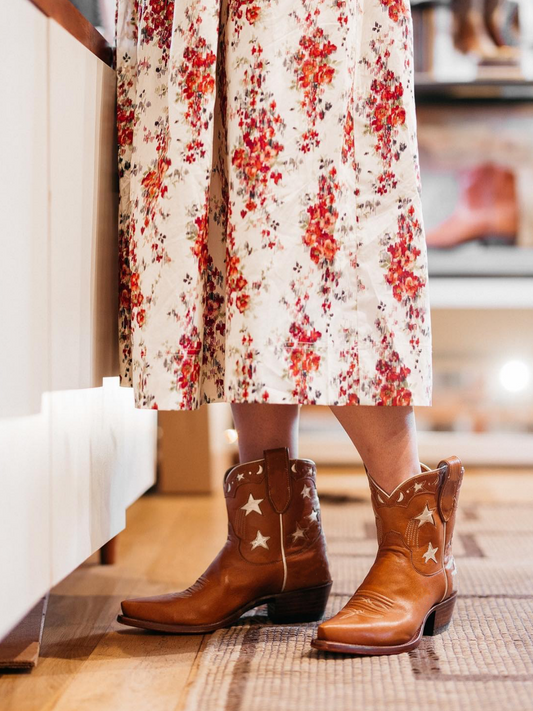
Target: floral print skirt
pixel 272 246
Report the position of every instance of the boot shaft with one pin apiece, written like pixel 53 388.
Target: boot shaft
pixel 274 515
pixel 420 512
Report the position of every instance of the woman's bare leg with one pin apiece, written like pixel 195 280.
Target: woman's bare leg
pixel 262 426
pixel 385 437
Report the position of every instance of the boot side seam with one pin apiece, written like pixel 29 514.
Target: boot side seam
pixel 443 555
pixel 283 558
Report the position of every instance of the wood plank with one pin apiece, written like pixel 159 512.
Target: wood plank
pixel 20 649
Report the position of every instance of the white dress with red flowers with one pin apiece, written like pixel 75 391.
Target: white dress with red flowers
pixel 272 244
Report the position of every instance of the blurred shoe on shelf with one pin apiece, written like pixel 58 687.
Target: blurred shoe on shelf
pixel 477 30
pixel 487 209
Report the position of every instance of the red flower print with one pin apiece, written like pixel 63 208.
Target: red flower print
pixel 247 9
pixel 200 248
pixel 196 83
pixel 390 382
pixel 236 283
pixel 156 17
pixel 313 72
pixel 125 118
pixel 322 217
pixel 303 359
pixel 385 115
pixel 342 17
pixel 242 302
pixel 348 144
pixel 259 148
pixel 401 258
pixel 214 323
pixel 153 180
pixel 246 381
pixel 184 365
pixel 349 376
pixel 397 8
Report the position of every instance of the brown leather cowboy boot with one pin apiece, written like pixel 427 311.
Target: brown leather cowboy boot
pixel 409 590
pixel 275 553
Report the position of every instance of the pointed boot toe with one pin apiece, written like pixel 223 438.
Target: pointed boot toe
pixel 147 612
pixel 336 630
pixel 138 607
pixel 131 608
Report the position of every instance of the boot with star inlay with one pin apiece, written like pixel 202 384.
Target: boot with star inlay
pixel 275 553
pixel 409 590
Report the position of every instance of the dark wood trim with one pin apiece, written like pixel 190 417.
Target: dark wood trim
pixel 69 17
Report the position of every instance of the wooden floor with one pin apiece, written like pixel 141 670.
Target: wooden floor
pixel 89 661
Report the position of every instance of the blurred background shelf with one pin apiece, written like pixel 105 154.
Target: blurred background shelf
pixel 327 444
pixel 485 293
pixel 427 89
pixel 481 260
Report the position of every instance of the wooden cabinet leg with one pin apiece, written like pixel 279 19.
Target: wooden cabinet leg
pixel 108 552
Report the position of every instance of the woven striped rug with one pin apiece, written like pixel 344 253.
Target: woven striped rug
pixel 484 661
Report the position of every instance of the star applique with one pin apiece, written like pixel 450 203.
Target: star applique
pixel 430 553
pixel 260 541
pixel 240 477
pixel 418 486
pixel 306 491
pixel 425 517
pixel 313 516
pixel 299 533
pixel 252 505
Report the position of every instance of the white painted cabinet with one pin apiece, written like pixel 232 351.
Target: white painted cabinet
pixel 74 451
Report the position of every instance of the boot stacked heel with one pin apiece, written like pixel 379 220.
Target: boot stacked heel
pixel 439 620
pixel 299 606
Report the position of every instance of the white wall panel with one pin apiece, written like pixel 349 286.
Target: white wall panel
pixel 67 478
pixel 69 471
pixel 25 510
pixel 82 234
pixel 72 168
pixel 24 210
pixel 103 455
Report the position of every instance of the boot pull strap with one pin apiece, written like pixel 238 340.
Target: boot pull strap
pixel 278 477
pixel 450 486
